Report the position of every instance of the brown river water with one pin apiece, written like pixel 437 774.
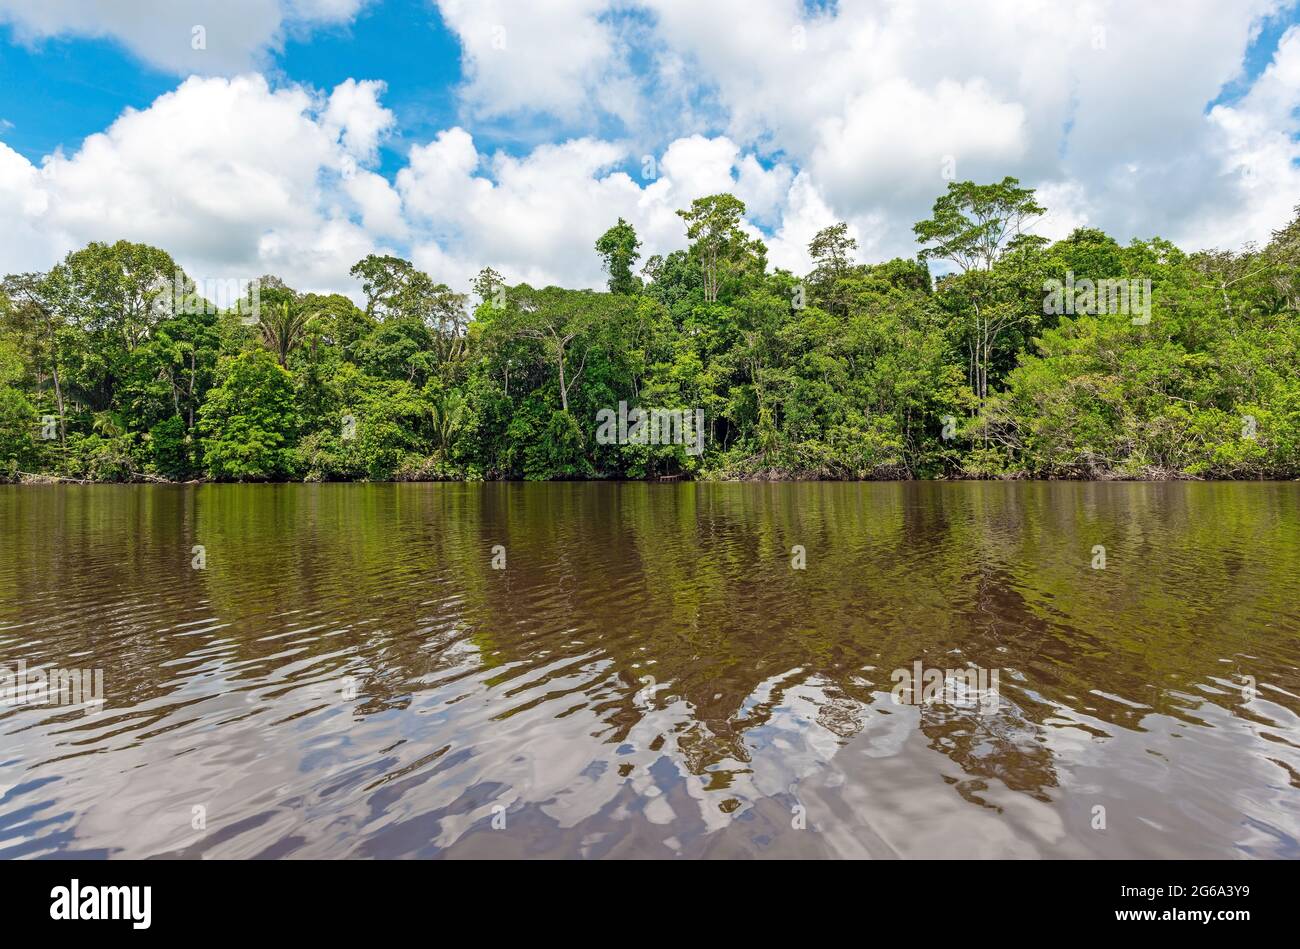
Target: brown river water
pixel 651 670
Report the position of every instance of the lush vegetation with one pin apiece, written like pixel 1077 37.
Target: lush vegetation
pixel 849 371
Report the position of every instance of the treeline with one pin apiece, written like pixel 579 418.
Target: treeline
pixel 1026 358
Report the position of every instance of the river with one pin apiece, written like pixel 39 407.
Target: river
pixel 651 670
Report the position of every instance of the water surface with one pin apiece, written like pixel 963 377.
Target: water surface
pixel 348 676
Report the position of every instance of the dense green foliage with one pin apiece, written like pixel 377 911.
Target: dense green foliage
pixel 107 372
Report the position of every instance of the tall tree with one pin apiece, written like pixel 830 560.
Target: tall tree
pixel 618 248
pixel 121 289
pixel 393 287
pixel 713 225
pixel 832 250
pixel 564 322
pixel 396 290
pixel 486 284
pixel 972 226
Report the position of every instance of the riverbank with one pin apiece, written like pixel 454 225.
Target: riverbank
pixel 1151 475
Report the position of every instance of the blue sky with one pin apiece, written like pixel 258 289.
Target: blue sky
pixel 470 132
pixel 62 89
pixel 1259 54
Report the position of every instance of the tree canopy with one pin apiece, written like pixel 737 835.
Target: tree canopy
pixel 114 367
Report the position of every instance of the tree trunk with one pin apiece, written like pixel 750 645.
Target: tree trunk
pixel 564 389
pixel 176 398
pixel 58 390
pixel 189 397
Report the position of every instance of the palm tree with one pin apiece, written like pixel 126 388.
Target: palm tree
pixel 283 326
pixel 106 426
pixel 449 411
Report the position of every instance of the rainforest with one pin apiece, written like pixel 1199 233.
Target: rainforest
pixel 962 362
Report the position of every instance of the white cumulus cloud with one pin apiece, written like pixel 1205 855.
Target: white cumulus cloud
pixel 232 177
pixel 855 111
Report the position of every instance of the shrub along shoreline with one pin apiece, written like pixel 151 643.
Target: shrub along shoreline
pixel 994 354
pixel 25 478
